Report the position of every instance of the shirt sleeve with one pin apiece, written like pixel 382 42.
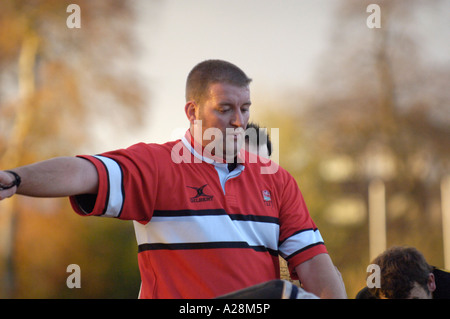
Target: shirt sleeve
pixel 300 239
pixel 127 185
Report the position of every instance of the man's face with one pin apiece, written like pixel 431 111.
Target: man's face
pixel 226 110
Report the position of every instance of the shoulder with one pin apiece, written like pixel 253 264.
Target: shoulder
pixel 365 293
pixel 442 278
pixel 264 166
pixel 442 274
pixel 140 155
pixel 151 150
pixel 152 147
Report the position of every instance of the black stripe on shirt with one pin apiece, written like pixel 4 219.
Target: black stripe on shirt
pixel 189 212
pixel 122 189
pixel 254 218
pixel 214 212
pixel 204 245
pixel 303 249
pixel 105 206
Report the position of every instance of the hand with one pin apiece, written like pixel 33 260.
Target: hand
pixel 7 186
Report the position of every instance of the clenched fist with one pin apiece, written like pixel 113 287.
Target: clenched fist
pixel 9 181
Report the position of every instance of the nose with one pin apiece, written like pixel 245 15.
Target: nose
pixel 238 119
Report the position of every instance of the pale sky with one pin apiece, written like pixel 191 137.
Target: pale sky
pixel 274 42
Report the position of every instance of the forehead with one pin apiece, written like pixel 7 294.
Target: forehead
pixel 228 92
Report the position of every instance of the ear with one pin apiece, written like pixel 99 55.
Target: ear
pixel 191 111
pixel 431 282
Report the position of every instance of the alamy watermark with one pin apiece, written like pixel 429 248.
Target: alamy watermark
pixel 374 19
pixel 74 279
pixel 374 278
pixel 74 19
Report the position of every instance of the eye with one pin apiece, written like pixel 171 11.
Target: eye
pixel 245 108
pixel 223 108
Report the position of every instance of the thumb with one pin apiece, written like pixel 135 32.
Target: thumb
pixel 7 185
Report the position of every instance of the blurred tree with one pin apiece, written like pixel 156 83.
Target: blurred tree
pixel 381 111
pixel 56 85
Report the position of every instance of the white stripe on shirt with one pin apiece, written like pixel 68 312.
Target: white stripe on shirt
pixel 300 241
pixel 115 179
pixel 210 228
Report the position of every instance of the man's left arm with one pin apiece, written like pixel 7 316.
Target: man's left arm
pixel 319 276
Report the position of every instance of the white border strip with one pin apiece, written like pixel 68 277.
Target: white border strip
pixel 115 180
pixel 300 241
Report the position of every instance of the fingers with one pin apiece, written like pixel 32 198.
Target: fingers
pixel 6 180
pixel 7 193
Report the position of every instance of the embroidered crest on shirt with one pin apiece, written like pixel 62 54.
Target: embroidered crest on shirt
pixel 266 197
pixel 200 196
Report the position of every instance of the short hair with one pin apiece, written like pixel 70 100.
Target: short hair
pixel 213 71
pixel 400 268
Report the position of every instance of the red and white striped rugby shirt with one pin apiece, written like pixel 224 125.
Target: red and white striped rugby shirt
pixel 201 230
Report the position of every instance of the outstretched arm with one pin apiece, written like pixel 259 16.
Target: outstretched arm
pixel 57 177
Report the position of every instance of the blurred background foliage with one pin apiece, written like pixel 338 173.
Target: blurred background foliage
pixel 50 76
pixel 379 110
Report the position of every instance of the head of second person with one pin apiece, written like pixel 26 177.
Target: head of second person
pixel 218 105
pixel 405 274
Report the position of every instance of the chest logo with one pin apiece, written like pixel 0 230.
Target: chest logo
pixel 266 197
pixel 200 196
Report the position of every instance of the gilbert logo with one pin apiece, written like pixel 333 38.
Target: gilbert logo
pixel 200 196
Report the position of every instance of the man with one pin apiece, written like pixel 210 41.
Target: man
pixel 405 274
pixel 207 221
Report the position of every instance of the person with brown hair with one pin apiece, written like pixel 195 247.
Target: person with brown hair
pixel 405 274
